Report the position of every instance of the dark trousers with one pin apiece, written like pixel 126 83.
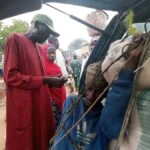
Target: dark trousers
pixel 76 81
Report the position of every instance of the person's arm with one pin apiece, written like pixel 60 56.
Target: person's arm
pixel 116 104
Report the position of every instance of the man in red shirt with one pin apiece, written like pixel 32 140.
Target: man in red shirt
pixel 30 123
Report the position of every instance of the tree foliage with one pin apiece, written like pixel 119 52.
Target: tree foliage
pixel 76 44
pixel 16 26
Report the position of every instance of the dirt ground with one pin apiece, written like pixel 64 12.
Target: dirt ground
pixel 2 124
pixel 2 114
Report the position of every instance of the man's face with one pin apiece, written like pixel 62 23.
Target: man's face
pixel 51 55
pixel 41 32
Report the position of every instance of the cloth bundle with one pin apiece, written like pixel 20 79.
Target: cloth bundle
pixel 114 52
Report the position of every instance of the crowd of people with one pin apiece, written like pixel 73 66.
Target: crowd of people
pixel 38 109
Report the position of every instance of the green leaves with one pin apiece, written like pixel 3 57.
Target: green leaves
pixel 16 26
pixel 128 21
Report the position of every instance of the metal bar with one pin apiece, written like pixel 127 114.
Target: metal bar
pixel 57 9
pixel 78 19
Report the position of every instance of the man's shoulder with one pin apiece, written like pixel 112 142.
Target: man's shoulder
pixel 15 35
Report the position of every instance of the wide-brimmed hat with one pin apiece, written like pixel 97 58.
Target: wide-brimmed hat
pixel 47 21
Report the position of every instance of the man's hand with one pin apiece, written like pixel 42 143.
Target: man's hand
pixel 54 81
pixel 133 60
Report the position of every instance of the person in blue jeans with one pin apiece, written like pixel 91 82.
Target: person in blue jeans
pixel 101 124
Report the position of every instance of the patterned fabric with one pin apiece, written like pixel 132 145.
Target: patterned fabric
pixel 138 131
pixel 57 113
pixel 76 67
pixel 143 106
